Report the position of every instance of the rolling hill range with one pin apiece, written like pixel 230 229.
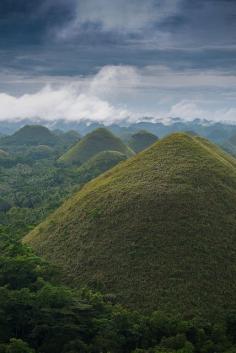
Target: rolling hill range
pixel 158 231
pixel 97 141
pixel 141 140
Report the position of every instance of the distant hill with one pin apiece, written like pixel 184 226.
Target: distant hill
pixel 98 164
pixel 97 141
pixel 70 137
pixel 230 144
pixel 217 132
pixel 141 140
pixel 158 230
pixel 31 135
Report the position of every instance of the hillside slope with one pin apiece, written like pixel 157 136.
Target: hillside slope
pixel 159 230
pixel 141 140
pixel 99 164
pixel 97 141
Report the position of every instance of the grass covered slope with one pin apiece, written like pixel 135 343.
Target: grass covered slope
pixel 141 140
pixel 159 230
pixel 97 141
pixel 99 164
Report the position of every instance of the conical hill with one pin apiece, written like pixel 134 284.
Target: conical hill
pixel 158 231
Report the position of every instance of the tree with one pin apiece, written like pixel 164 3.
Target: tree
pixel 18 346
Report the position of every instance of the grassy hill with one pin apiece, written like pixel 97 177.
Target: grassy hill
pixel 70 137
pixel 141 140
pixel 98 164
pixel 97 141
pixel 31 135
pixel 158 230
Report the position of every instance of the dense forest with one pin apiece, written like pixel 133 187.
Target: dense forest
pixel 39 311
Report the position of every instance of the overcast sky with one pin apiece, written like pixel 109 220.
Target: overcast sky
pixel 112 60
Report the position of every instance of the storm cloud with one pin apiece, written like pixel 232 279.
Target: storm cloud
pixel 189 46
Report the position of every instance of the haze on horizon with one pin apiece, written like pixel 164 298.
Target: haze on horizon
pixel 109 61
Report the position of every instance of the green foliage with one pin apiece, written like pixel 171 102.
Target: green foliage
pixel 18 346
pixel 157 230
pixel 40 152
pixel 141 140
pixel 32 184
pixel 97 141
pixel 29 191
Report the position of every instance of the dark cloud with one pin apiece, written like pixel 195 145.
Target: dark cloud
pixel 30 21
pixel 70 37
pixel 206 23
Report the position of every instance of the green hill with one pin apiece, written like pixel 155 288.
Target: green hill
pixel 98 164
pixel 70 137
pixel 141 140
pixel 158 230
pixel 31 135
pixel 97 141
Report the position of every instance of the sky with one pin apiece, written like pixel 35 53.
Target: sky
pixel 112 61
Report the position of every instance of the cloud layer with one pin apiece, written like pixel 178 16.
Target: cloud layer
pixel 109 59
pixel 126 93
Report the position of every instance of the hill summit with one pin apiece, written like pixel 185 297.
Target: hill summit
pixel 97 141
pixel 158 230
pixel 141 140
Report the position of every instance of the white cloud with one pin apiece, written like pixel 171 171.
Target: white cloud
pixel 64 103
pixel 118 93
pixel 189 110
pixel 186 110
